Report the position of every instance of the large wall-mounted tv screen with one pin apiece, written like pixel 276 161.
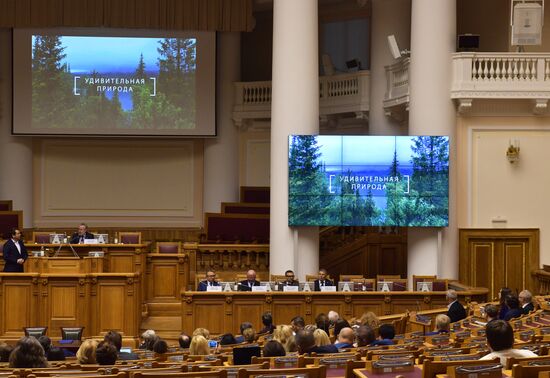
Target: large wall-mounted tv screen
pixel 113 82
pixel 368 181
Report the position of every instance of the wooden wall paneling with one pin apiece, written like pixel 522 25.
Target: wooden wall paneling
pixel 392 259
pixel 494 258
pixel 19 303
pixel 283 311
pixel 116 303
pixel 166 276
pixel 248 309
pixel 64 302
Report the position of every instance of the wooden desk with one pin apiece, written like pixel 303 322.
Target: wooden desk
pixel 225 311
pixel 99 302
pixel 118 258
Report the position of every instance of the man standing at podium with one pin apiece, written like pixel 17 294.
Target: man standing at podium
pixel 15 252
pixel 82 234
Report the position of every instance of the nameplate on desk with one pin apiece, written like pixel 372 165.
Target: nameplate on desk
pixel 214 288
pixel 328 288
pixel 91 241
pixel 293 289
pixel 260 289
pixel 96 254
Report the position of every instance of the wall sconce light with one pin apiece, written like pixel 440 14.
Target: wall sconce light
pixel 512 153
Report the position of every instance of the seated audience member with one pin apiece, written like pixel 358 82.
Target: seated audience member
pixel 322 322
pixel 5 351
pixel 115 338
pixel 500 338
pixel 526 302
pixel 267 321
pixel 502 295
pixel 82 234
pixel 310 327
pixel 227 339
pixel 184 340
pixel 305 343
pixel 86 352
pixel 145 336
pixel 249 335
pixel 333 317
pixel 298 323
pixel 242 327
pixel 455 310
pixel 514 311
pixel 322 280
pixel 209 281
pixel 199 346
pixel 386 334
pixel 203 332
pixel 290 346
pixel 273 348
pixel 491 313
pixel 289 279
pixel 160 347
pixel 151 342
pixel 365 336
pixel 339 325
pixel 321 337
pixel 283 334
pixel 442 325
pixel 28 353
pixel 106 353
pixel 369 319
pixel 345 339
pixel 250 281
pixel 52 353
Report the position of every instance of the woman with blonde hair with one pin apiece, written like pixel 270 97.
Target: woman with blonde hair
pixel 199 346
pixel 201 331
pixel 321 337
pixel 369 319
pixel 249 335
pixel 86 352
pixel 283 334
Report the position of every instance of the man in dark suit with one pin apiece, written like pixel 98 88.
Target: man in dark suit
pixel 209 281
pixel 305 342
pixel 289 281
pixel 526 301
pixel 322 280
pixel 250 281
pixel 455 310
pixel 513 308
pixel 82 234
pixel 15 252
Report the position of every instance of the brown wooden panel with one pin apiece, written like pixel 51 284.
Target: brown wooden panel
pixel 482 268
pixel 247 311
pixel 284 312
pixel 17 307
pixel 63 302
pixel 360 309
pixel 121 263
pixel 209 316
pixel 111 309
pixel 164 281
pixel 514 256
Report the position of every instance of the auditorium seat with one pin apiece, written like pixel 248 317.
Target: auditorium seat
pixel 129 237
pixel 8 221
pixel 430 369
pixel 42 237
pixel 35 331
pixel 6 205
pixel 350 277
pixel 168 247
pixel 309 372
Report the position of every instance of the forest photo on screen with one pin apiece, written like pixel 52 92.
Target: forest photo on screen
pixel 368 181
pixel 113 82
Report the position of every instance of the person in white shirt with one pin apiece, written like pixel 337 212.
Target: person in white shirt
pixel 500 337
pixel 526 301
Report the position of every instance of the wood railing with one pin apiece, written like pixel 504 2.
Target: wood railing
pixel 543 279
pixel 397 84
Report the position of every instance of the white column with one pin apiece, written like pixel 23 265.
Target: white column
pixel 221 154
pixel 15 152
pixel 388 17
pixel 433 39
pixel 294 110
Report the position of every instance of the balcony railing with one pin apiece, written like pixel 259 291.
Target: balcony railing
pixel 396 99
pixel 341 93
pixel 501 76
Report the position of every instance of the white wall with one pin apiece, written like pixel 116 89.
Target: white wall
pixel 494 193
